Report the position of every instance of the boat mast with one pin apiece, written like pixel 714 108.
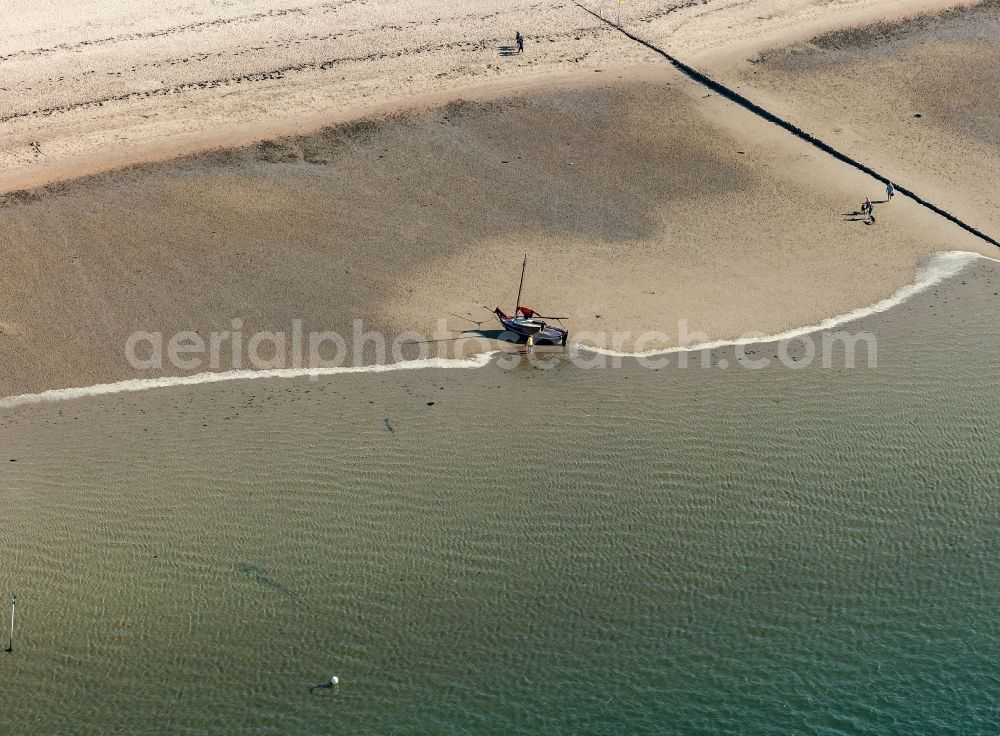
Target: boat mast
pixel 517 304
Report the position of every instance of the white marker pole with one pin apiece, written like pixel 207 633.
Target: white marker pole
pixel 10 644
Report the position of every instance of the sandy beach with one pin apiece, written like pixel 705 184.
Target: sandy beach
pixel 100 83
pixel 641 199
pixel 269 466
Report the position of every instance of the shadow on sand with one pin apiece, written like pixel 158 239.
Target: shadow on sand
pixel 501 335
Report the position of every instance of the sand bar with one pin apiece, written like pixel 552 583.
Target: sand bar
pixel 640 202
pixel 643 201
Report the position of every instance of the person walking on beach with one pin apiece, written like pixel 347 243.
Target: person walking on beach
pixel 889 190
pixel 519 40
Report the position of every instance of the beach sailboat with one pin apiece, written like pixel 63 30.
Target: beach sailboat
pixel 528 323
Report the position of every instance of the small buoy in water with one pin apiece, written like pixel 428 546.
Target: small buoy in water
pixel 334 680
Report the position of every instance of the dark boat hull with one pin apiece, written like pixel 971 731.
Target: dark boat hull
pixel 540 332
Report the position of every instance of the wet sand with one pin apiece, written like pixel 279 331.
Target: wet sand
pixel 914 98
pixel 639 201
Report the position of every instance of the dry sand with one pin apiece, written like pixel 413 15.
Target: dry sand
pixel 96 83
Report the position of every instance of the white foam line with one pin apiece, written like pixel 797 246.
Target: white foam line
pixel 936 268
pixel 147 384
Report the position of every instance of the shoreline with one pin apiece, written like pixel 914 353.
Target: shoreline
pixel 331 515
pixel 939 268
pixel 392 211
pixel 574 175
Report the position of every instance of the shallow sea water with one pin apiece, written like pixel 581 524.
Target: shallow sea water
pixel 561 551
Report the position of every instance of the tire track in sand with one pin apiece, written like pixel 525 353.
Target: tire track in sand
pixel 270 74
pixel 325 7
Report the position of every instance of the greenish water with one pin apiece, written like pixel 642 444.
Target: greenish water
pixel 564 551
